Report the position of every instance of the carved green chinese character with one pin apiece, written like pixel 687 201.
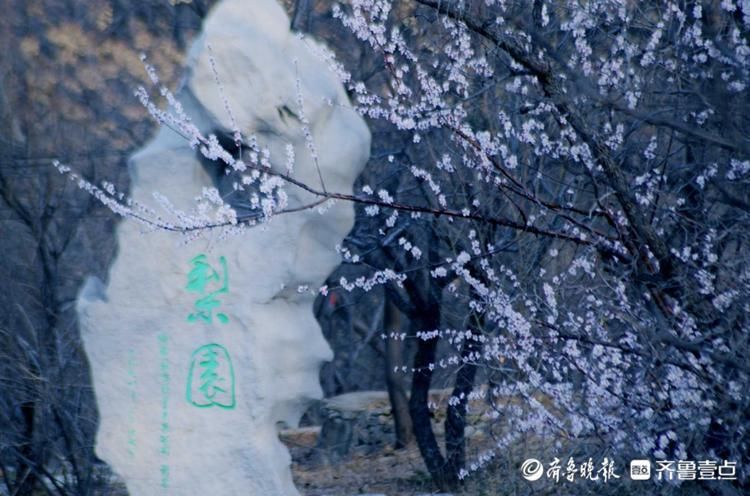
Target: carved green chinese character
pixel 211 378
pixel 209 283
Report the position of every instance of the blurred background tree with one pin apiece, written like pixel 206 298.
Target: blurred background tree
pixel 66 90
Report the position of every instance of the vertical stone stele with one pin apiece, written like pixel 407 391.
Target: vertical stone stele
pixel 199 351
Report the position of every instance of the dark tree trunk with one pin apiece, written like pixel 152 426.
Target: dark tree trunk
pixel 455 422
pixel 394 355
pixel 428 320
pixel 301 15
pixel 25 476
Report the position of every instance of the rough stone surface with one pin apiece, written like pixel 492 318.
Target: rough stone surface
pixel 359 422
pixel 193 407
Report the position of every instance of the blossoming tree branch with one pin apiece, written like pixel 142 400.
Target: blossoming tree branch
pixel 574 177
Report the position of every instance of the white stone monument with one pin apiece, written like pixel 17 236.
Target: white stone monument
pixel 198 352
